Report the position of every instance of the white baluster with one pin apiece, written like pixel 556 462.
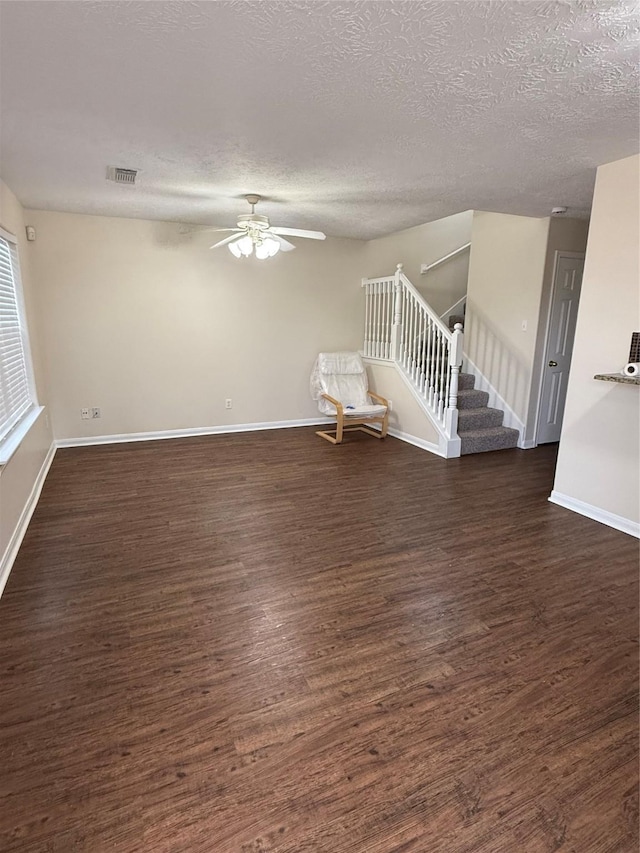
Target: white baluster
pixel 380 320
pixel 396 330
pixel 425 386
pixel 432 353
pixel 405 329
pixel 412 312
pixel 423 335
pixel 383 335
pixel 387 323
pixel 374 307
pixel 416 344
pixel 444 368
pixel 455 363
pixel 367 334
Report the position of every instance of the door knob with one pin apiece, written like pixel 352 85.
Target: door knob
pixel 553 364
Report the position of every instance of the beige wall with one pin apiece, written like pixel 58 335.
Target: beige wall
pixel 406 415
pixel 599 460
pixel 156 330
pixel 18 477
pixel 506 273
pixel 424 244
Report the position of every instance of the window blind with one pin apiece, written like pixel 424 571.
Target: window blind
pixel 15 390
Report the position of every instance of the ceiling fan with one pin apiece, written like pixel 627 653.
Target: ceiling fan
pixel 254 234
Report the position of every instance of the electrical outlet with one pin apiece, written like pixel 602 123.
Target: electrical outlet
pixel 84 414
pixel 524 325
pixel 228 403
pixel 390 402
pixel 95 412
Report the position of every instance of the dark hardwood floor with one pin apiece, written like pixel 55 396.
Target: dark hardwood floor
pixel 262 643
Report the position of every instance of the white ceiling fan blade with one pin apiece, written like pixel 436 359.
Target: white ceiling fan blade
pixel 198 229
pixel 300 232
pixel 285 245
pixel 226 239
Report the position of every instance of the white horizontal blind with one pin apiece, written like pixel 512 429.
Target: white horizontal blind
pixel 15 390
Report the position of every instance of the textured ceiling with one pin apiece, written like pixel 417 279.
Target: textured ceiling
pixel 357 118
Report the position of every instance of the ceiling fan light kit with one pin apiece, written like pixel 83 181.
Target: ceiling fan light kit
pixel 253 235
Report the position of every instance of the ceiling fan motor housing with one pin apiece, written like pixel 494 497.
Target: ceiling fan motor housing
pixel 253 220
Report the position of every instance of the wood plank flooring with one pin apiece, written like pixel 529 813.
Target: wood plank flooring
pixel 262 643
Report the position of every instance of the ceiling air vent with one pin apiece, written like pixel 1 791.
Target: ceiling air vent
pixel 121 176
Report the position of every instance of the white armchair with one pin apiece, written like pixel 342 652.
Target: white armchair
pixel 339 384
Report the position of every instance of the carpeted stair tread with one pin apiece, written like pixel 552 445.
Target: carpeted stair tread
pixel 476 419
pixel 484 440
pixel 472 399
pixel 466 381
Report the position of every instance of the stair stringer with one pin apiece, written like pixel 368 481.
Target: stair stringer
pixel 449 448
pixel 496 401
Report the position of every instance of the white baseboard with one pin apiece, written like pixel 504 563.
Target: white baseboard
pixel 160 435
pixel 498 402
pixel 422 443
pixel 448 448
pixel 11 552
pixel 618 522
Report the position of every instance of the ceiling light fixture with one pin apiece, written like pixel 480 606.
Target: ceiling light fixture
pixel 254 234
pixel 254 241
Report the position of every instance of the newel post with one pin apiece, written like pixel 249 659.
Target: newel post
pixel 455 363
pixel 396 328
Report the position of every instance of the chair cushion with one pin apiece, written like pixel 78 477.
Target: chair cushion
pixel 371 411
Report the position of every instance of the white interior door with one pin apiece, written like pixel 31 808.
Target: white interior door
pixel 562 327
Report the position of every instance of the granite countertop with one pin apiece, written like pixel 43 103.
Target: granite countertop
pixel 618 377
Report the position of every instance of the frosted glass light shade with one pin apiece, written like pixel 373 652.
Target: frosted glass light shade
pixel 267 248
pixel 235 249
pixel 245 244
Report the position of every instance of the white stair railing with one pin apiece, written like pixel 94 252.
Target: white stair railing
pixel 458 307
pixel 408 331
pixel 378 321
pixel 425 268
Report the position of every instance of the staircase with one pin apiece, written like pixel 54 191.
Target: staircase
pixel 480 427
pixel 401 327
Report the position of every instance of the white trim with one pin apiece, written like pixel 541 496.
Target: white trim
pixel 497 402
pixel 12 442
pixel 448 448
pixel 618 522
pixel 382 362
pixel 422 443
pixel 11 551
pixel 8 446
pixel 424 268
pixel 160 435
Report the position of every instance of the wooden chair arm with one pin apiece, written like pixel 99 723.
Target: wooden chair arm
pixel 335 402
pixel 378 398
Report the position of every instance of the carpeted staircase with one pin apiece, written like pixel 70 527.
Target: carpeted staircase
pixel 480 427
